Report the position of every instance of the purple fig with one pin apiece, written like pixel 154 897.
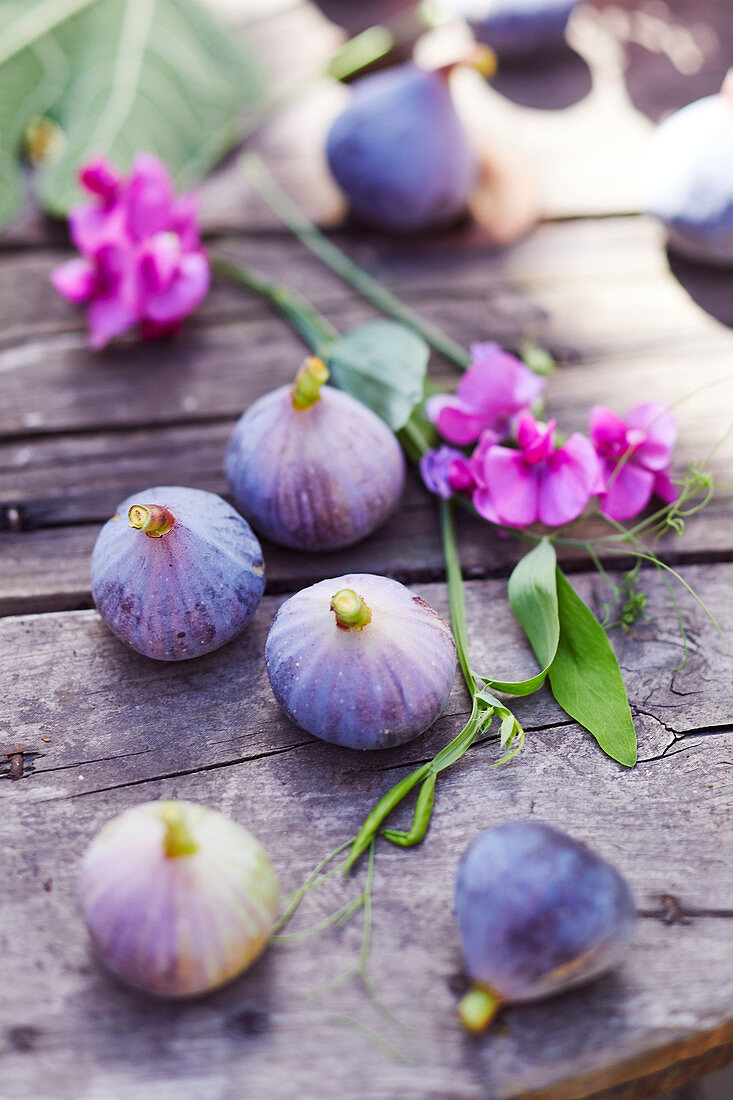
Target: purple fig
pixel 311 467
pixel 538 913
pixel 400 153
pixel 360 661
pixel 687 178
pixel 517 30
pixel 176 573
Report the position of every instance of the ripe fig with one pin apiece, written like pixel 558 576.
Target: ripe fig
pixel 360 661
pixel 517 30
pixel 178 899
pixel 311 467
pixel 176 573
pixel 400 153
pixel 538 913
pixel 687 178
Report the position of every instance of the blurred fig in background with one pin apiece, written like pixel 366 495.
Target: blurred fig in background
pixel 687 178
pixel 538 913
pixel 400 153
pixel 517 30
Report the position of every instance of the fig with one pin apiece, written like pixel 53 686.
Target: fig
pixel 176 573
pixel 360 661
pixel 399 151
pixel 517 30
pixel 687 178
pixel 312 468
pixel 538 913
pixel 177 898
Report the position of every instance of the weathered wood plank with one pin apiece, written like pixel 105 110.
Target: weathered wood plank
pixel 666 824
pixel 617 263
pixel 599 294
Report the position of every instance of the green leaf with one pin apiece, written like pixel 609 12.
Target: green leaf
pixel 586 680
pixel 119 76
pixel 383 365
pixel 533 598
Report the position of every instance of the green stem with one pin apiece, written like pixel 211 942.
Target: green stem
pixel 311 325
pixel 350 610
pixel 455 591
pixel 296 221
pixel 177 840
pixel 478 1008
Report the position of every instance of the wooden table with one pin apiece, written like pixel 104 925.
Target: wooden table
pixel 89 728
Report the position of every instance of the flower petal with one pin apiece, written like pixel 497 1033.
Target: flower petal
pixel 435 471
pixel 499 383
pixel 627 491
pixel 150 198
pixel 74 280
pixel 484 505
pixel 535 440
pixel 607 431
pixel 100 177
pixel 568 480
pixel 513 486
pixel 660 430
pixel 665 488
pixel 187 290
pixel 457 422
pixel 108 317
pixel 158 264
pixel 185 221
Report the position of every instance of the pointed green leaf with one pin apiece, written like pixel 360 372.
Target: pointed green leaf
pixel 383 365
pixel 533 598
pixel 586 680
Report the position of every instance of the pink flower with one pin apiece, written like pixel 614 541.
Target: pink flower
pixel 539 481
pixel 446 471
pixel 635 455
pixel 142 261
pixel 493 390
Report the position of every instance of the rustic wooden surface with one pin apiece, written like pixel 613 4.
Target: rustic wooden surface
pixel 88 727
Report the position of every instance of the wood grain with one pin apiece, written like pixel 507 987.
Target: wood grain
pixel 89 728
pixel 113 743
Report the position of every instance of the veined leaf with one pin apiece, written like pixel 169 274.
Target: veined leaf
pixel 586 680
pixel 383 365
pixel 119 76
pixel 533 598
pixel 37 44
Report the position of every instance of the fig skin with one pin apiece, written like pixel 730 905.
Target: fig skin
pixel 687 178
pixel 187 592
pixel 370 687
pixel 400 154
pixel 316 478
pixel 177 898
pixel 538 913
pixel 517 30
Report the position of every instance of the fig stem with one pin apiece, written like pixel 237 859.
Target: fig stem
pixel 478 1008
pixel 350 610
pixel 154 519
pixel 177 840
pixel 308 381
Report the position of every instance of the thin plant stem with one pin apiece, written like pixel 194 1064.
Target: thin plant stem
pixel 303 228
pixel 318 333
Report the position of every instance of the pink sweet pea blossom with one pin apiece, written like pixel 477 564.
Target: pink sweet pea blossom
pixel 142 261
pixel 539 481
pixel 635 455
pixel 446 471
pixel 493 390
